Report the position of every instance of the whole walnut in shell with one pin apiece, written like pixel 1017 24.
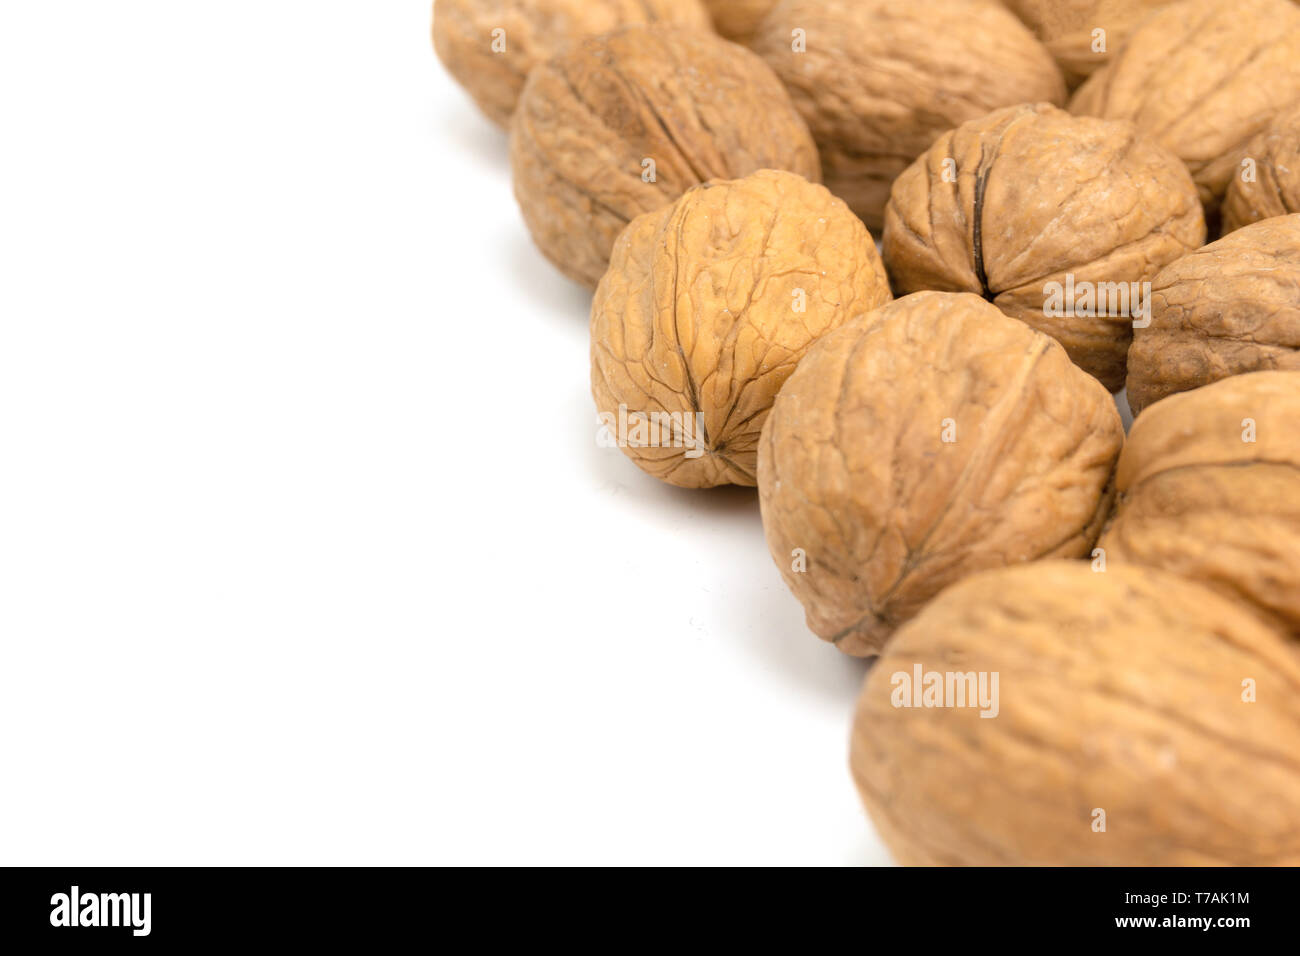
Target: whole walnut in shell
pixel 624 123
pixel 1270 184
pixel 1069 29
pixel 1209 487
pixel 1203 77
pixel 738 19
pixel 1056 219
pixel 1230 307
pixel 489 46
pixel 878 80
pixel 1119 732
pixel 934 438
pixel 707 307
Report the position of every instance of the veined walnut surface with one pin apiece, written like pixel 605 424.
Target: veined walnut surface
pixel 932 439
pixel 709 304
pixel 489 46
pixel 624 123
pixel 879 80
pixel 1029 197
pixel 1121 736
pixel 1209 487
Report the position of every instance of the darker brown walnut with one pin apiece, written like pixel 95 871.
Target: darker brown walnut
pixel 1119 692
pixel 1203 77
pixel 625 123
pixel 1267 179
pixel 878 80
pixel 934 438
pixel 1058 220
pixel 1230 307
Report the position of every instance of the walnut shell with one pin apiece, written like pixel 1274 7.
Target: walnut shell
pixel 1119 692
pixel 1230 307
pixel 1067 27
pixel 533 32
pixel 1196 498
pixel 1026 197
pixel 934 438
pixel 709 304
pixel 1273 186
pixel 738 19
pixel 624 123
pixel 1203 77
pixel 879 80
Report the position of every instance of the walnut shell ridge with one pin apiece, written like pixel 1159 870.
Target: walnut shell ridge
pixel 1198 499
pixel 1227 308
pixel 534 31
pixel 929 440
pixel 708 305
pixel 1029 196
pixel 879 80
pixel 1274 188
pixel 623 124
pixel 1119 692
pixel 1203 77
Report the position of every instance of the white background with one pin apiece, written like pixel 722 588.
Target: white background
pixel 307 552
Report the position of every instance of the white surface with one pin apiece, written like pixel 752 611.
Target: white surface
pixel 307 552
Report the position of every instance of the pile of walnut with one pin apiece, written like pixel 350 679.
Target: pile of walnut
pixel 1087 646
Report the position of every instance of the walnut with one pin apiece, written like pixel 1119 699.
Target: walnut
pixel 623 124
pixel 879 80
pixel 1058 220
pixel 1209 487
pixel 1140 720
pixel 1230 307
pixel 934 438
pixel 738 19
pixel 489 46
pixel 707 307
pixel 1068 28
pixel 1268 182
pixel 1203 77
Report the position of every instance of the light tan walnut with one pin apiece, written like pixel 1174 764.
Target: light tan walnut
pixel 624 123
pixel 932 439
pixel 1141 720
pixel 1230 307
pixel 489 46
pixel 1209 487
pixel 1203 77
pixel 1057 220
pixel 878 80
pixel 707 307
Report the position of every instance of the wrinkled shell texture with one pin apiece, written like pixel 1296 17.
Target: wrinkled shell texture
pixel 1039 193
pixel 1274 187
pixel 880 80
pixel 1066 28
pixel 854 470
pixel 697 312
pixel 1198 500
pixel 1230 307
pixel 535 30
pixel 738 19
pixel 1119 691
pixel 696 105
pixel 1203 77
